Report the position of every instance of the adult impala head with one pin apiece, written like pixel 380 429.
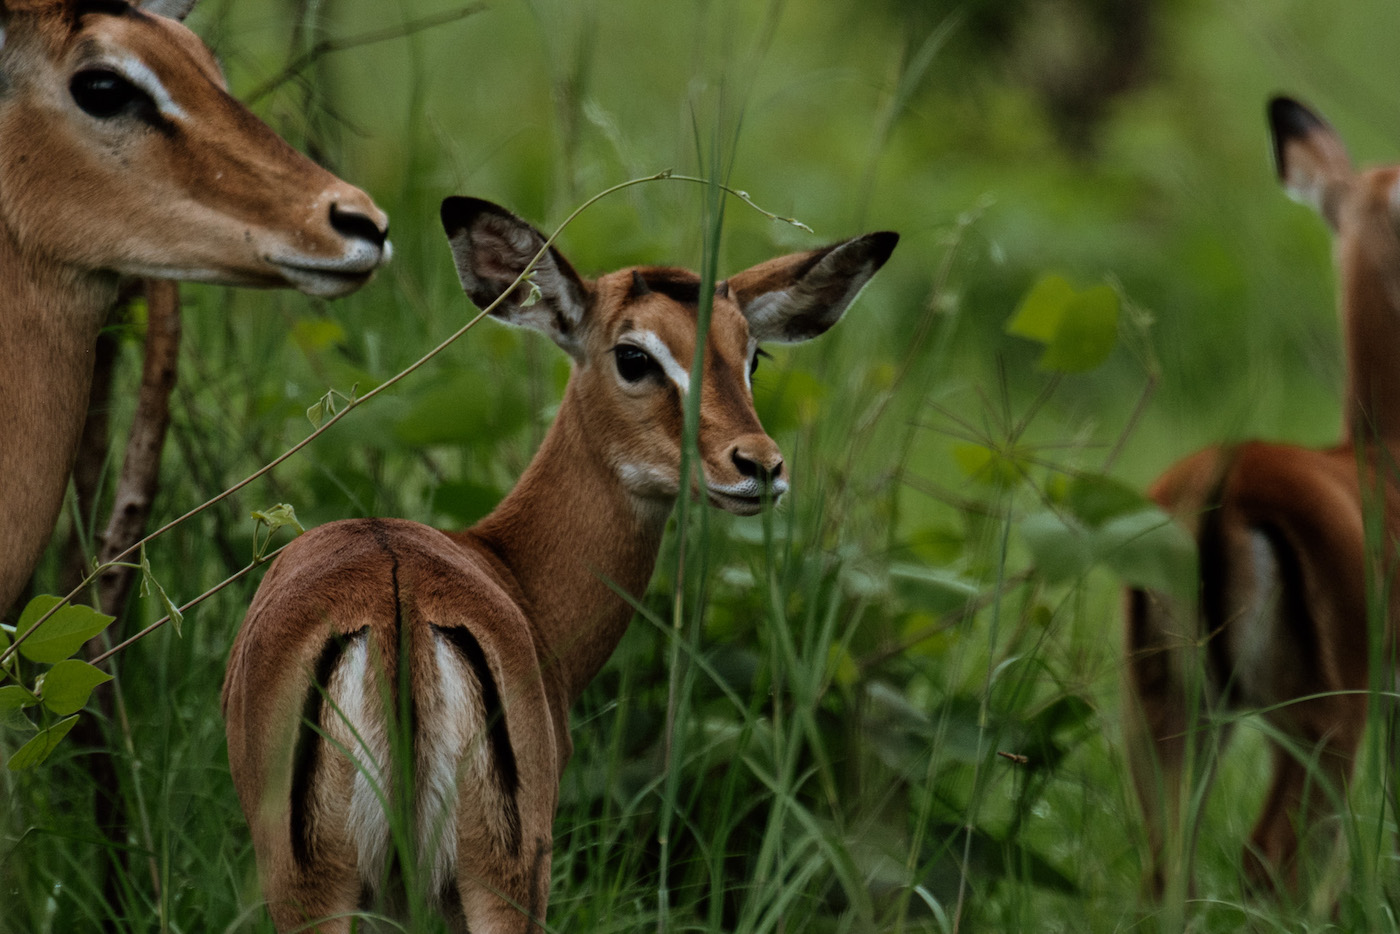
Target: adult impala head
pixel 1281 622
pixel 121 153
pixel 505 623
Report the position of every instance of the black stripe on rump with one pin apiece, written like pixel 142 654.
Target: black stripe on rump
pixel 307 752
pixel 503 767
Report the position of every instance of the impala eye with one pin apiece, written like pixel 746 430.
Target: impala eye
pixel 753 364
pixel 102 93
pixel 633 363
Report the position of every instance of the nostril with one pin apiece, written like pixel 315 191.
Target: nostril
pixel 752 468
pixel 355 224
pixel 746 466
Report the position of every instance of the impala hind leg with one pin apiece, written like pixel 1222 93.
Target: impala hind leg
pixel 1166 733
pixel 1310 779
pixel 509 898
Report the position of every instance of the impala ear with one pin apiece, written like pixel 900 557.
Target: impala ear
pixel 174 9
pixel 1309 156
pixel 492 247
pixel 795 298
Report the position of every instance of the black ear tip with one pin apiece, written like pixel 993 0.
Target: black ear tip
pixel 1288 118
pixel 458 212
pixel 882 244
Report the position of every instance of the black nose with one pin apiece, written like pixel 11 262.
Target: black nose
pixel 354 224
pixel 752 468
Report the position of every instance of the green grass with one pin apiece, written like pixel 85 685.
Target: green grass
pixel 839 710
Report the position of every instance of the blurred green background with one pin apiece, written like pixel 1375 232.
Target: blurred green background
pixel 892 629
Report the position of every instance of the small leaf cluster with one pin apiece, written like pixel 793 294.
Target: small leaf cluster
pixel 42 687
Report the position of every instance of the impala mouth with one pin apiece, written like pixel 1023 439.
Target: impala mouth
pixel 747 500
pixel 332 278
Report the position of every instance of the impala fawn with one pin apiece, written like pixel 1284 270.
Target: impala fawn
pixel 121 154
pixel 1281 623
pixel 467 648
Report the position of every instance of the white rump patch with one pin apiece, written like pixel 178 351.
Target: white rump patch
pixel 1257 637
pixel 444 743
pixel 357 723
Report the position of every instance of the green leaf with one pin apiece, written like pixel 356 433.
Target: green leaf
pixel 988 466
pixel 935 590
pixel 1087 333
pixel 61 634
pixel 1148 549
pixel 1039 315
pixel 1061 551
pixel 149 583
pixel 68 685
pixel 1094 499
pixel 1078 329
pixel 41 746
pixel 16 697
pixel 275 517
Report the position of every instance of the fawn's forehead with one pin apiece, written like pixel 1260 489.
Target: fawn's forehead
pixel 665 302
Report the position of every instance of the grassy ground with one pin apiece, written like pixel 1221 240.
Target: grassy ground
pixel 849 668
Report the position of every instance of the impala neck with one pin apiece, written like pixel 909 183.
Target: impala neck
pixel 50 316
pixel 565 536
pixel 1371 319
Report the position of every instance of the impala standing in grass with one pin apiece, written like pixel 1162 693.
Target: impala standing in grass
pixel 1286 574
pixel 122 154
pixel 380 652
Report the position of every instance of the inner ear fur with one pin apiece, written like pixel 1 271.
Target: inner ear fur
pixel 797 297
pixel 1310 158
pixel 492 247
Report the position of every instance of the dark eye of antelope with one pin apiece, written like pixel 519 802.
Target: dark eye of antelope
pixel 753 364
pixel 633 363
pixel 102 93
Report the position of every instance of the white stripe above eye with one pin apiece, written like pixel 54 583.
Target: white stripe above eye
pixel 135 71
pixel 656 347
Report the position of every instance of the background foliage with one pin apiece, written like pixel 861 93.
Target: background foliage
pixel 939 587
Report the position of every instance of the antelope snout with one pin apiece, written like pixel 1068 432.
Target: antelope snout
pixel 359 220
pixel 757 475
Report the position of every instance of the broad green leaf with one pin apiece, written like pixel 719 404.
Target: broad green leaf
pixel 41 746
pixel 61 634
pixel 15 697
pixel 987 466
pixel 68 685
pixel 1087 333
pixel 936 590
pixel 1061 551
pixel 4 639
pixel 1148 549
pixel 1095 499
pixel 1039 315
